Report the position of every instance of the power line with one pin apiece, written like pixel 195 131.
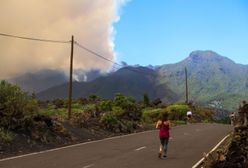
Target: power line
pixel 34 39
pixel 95 53
pixel 79 45
pixel 106 59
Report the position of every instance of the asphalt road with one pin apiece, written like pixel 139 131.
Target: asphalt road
pixel 186 147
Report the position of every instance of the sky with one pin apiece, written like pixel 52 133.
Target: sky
pixel 167 31
pixel 144 32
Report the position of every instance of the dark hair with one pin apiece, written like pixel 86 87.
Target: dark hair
pixel 164 116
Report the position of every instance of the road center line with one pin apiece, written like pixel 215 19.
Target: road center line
pixel 143 147
pixel 88 166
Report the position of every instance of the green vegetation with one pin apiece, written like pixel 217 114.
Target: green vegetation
pixel 51 110
pixel 146 100
pixel 109 120
pixel 122 114
pixel 151 115
pixel 211 78
pixel 16 107
pixel 6 136
pixel 177 111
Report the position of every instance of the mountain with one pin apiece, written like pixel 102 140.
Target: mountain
pixel 212 79
pixel 45 79
pixel 39 81
pixel 131 81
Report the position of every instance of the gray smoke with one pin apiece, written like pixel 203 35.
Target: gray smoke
pixel 89 21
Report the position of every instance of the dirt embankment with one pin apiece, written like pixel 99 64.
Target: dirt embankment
pixel 47 133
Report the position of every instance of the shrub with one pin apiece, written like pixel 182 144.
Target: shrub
pixel 131 109
pixel 123 101
pixel 16 106
pixel 204 113
pixel 6 136
pixel 118 112
pixel 104 106
pixel 94 98
pixel 83 100
pixel 59 103
pixel 151 115
pixel 177 111
pixel 109 120
pixel 129 126
pixel 50 111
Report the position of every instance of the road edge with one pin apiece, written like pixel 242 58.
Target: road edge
pixel 216 146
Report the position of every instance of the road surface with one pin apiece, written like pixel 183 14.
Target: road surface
pixel 186 147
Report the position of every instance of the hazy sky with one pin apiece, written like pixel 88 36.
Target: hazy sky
pixel 135 31
pixel 165 31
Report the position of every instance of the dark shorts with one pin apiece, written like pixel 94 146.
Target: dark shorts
pixel 164 141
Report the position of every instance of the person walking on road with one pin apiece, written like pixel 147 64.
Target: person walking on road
pixel 189 117
pixel 164 134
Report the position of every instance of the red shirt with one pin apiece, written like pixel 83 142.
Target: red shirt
pixel 164 131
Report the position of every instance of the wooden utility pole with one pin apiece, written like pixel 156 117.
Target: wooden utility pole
pixel 70 82
pixel 186 86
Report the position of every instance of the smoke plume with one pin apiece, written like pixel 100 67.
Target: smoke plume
pixel 90 21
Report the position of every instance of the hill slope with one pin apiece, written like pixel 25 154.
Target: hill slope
pixel 131 81
pixel 212 79
pixel 39 81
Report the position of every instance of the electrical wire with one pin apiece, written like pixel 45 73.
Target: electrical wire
pixel 34 39
pixel 106 59
pixel 76 43
pixel 96 54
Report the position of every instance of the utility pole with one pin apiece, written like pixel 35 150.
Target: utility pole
pixel 70 82
pixel 186 86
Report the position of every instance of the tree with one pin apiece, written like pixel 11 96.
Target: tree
pixel 146 100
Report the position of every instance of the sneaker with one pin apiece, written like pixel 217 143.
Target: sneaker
pixel 159 155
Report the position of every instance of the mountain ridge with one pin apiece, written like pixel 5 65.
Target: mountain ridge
pixel 132 81
pixel 211 77
pixel 213 80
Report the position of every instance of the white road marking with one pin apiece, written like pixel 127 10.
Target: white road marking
pixel 88 166
pixel 143 147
